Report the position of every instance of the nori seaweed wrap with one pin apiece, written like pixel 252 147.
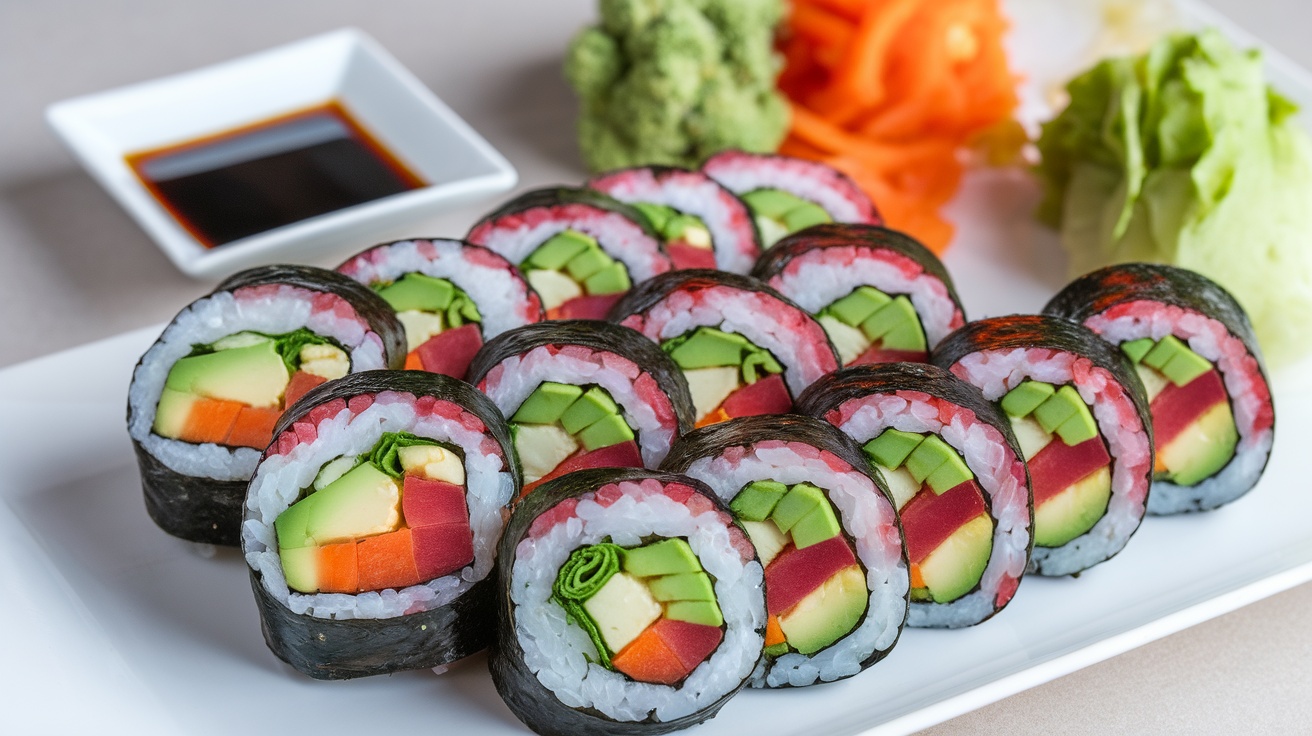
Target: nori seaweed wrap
pixel 246 351
pixel 881 295
pixel 826 531
pixel 584 394
pixel 1080 414
pixel 956 476
pixel 580 249
pixel 372 522
pixel 1195 350
pixel 686 636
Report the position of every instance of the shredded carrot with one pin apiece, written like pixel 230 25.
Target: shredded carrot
pixel 774 634
pixel 916 580
pixel 715 417
pixel 892 91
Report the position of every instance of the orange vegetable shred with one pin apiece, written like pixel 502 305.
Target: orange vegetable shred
pixel 774 634
pixel 210 420
pixel 386 561
pixel 890 92
pixel 649 659
pixel 338 572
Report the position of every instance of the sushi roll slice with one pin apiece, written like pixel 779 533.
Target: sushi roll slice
pixel 957 479
pixel 836 575
pixel 631 603
pixel 703 224
pixel 583 394
pixel 1192 345
pixel 1081 417
pixel 580 249
pixel 451 296
pixel 789 194
pixel 205 397
pixel 743 348
pixel 881 295
pixel 372 522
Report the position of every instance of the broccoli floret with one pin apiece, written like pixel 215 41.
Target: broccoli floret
pixel 675 81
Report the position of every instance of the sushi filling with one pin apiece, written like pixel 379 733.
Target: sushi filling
pixel 729 375
pixel 779 214
pixel 1070 468
pixel 815 589
pixel 231 392
pixel 650 610
pixel 443 327
pixel 1193 424
pixel 575 278
pixel 687 239
pixel 562 427
pixel 945 514
pixel 869 326
pixel 390 518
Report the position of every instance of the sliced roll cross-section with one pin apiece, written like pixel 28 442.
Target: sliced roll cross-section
pixel 205 397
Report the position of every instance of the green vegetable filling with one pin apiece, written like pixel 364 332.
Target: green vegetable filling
pixel 675 226
pixel 709 347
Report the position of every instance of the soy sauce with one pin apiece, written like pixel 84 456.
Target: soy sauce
pixel 276 172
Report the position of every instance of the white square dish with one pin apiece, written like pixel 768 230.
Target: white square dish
pixel 345 66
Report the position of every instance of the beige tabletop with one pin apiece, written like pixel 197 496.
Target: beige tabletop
pixel 76 269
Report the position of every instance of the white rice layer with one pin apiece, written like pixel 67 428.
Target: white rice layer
pixel 822 276
pixel 1250 398
pixel 867 517
pixel 279 480
pixel 514 379
pixel 995 372
pixel 999 474
pixel 502 297
pixel 558 652
pixel 271 310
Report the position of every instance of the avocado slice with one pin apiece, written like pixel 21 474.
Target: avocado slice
pixel 757 499
pixel 927 457
pixel 254 375
pixel 706 613
pixel 891 448
pixel 757 364
pixel 1059 407
pixel 554 287
pixel 611 430
pixel 292 525
pixel 952 473
pixel 687 586
pixel 300 565
pixel 418 292
pixel 172 412
pixel 1185 366
pixel 826 614
pixel 1202 448
pixel 889 317
pixel 772 203
pixel 956 566
pixel 805 215
pixel 656 214
pixel 610 280
pixel 666 557
pixel 589 261
pixel 1136 349
pixel 621 609
pixel 1079 428
pixel 689 229
pixel 817 526
pixel 362 503
pixel 592 406
pixel 553 254
pixel 797 503
pixel 707 347
pixel 858 306
pixel 1074 511
pixel 1025 398
pixel 547 403
pixel 908 336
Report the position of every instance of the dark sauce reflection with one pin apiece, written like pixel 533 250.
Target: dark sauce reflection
pixel 273 173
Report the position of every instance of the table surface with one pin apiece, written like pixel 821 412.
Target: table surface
pixel 76 269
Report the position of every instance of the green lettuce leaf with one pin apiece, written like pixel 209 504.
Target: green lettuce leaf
pixel 1184 155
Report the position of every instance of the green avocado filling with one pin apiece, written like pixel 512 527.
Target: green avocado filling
pixel 708 347
pixel 571 264
pixel 868 317
pixel 287 346
pixel 675 226
pixel 559 418
pixel 779 213
pixel 428 306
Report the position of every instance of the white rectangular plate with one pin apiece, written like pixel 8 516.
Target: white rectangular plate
pixel 108 615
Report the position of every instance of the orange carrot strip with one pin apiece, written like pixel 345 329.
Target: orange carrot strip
pixel 253 427
pixel 387 561
pixel 916 580
pixel 338 571
pixel 649 659
pixel 821 26
pixel 210 420
pixel 715 417
pixel 412 362
pixel 774 634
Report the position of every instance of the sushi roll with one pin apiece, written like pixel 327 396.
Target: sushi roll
pixel 372 522
pixel 1192 345
pixel 206 395
pixel 789 194
pixel 956 476
pixel 743 348
pixel 583 394
pixel 1081 417
pixel 836 576
pixel 703 224
pixel 450 296
pixel 580 249
pixel 631 603
pixel 881 295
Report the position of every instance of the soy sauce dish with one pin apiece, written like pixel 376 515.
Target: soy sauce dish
pixel 310 146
